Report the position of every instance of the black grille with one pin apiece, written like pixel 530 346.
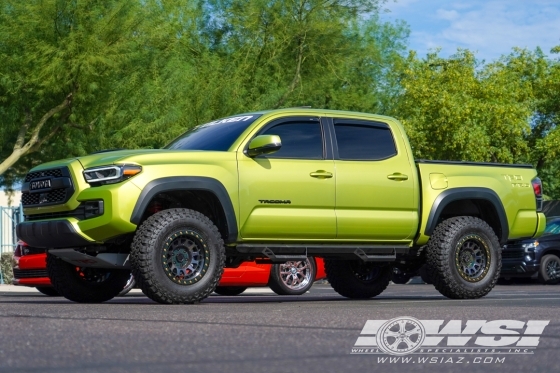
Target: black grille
pixel 86 210
pixel 30 273
pixel 58 190
pixel 57 172
pixel 512 254
pixel 57 195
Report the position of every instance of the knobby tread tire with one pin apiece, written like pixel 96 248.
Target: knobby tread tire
pixel 146 250
pixel 276 284
pixel 441 248
pixel 344 281
pixel 66 282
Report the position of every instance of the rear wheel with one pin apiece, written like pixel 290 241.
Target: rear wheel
pixel 549 270
pixel 465 256
pixel 47 290
pixel 177 256
pixel 85 284
pixel 357 279
pixel 293 278
pixel 230 290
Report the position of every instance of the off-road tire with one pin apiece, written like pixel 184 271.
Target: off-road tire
pixel 356 279
pixel 160 246
pixel 230 290
pixel 549 262
pixel 458 243
pixel 285 286
pixel 425 273
pixel 85 285
pixel 48 290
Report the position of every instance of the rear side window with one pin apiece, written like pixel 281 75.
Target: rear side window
pixel 300 139
pixel 364 140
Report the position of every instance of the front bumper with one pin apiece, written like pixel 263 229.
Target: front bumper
pixel 518 263
pixel 51 233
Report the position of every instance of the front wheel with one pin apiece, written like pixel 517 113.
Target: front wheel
pixel 549 270
pixel 293 278
pixel 465 256
pixel 357 279
pixel 177 256
pixel 85 284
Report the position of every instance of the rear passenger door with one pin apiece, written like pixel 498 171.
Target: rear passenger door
pixel 374 185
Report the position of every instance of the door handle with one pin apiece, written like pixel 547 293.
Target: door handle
pixel 397 176
pixel 320 174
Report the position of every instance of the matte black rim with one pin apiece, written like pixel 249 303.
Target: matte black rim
pixel 366 272
pixel 185 257
pixel 553 269
pixel 472 258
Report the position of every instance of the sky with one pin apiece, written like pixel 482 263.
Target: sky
pixel 490 28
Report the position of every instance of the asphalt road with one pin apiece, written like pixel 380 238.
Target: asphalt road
pixel 262 332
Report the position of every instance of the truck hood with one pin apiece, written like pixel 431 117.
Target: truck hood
pixel 134 156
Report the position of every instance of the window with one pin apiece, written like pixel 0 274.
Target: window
pixel 361 140
pixel 218 135
pixel 552 228
pixel 300 139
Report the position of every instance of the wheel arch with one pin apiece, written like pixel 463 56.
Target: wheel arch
pixel 211 190
pixel 483 203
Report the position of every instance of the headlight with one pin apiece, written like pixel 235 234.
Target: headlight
pixel 532 245
pixel 110 174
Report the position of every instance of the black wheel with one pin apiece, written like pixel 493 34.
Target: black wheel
pixel 230 290
pixel 47 290
pixel 357 279
pixel 426 274
pixel 399 277
pixel 130 284
pixel 549 270
pixel 85 284
pixel 292 278
pixel 177 256
pixel 465 256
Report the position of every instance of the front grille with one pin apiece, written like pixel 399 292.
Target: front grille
pixel 58 190
pixel 513 254
pixel 54 196
pixel 57 172
pixel 29 273
pixel 86 210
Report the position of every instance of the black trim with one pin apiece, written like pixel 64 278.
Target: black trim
pixel 50 233
pixel 167 184
pixel 475 163
pixel 362 122
pixel 275 122
pixel 458 194
pixel 320 249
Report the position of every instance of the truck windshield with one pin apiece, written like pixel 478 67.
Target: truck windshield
pixel 218 135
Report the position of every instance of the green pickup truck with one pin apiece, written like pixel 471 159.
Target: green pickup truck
pixel 276 186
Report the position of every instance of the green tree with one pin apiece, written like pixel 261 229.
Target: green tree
pixel 455 109
pixel 60 60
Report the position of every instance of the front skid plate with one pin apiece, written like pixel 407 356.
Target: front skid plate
pixel 103 260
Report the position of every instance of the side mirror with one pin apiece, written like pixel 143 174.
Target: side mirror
pixel 264 144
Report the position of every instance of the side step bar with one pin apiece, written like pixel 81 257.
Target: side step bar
pixel 279 253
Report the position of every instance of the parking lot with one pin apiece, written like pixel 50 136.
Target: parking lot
pixel 260 331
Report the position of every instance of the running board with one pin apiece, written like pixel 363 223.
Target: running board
pixel 279 253
pixel 103 260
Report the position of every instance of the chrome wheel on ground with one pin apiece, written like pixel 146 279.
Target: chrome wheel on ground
pixel 293 278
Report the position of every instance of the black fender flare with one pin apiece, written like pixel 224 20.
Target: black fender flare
pixel 166 184
pixel 457 194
